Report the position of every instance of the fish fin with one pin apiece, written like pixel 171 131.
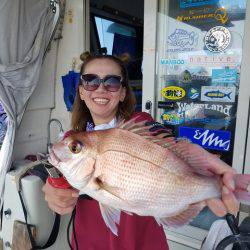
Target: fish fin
pixel 200 160
pixel 111 217
pixel 242 188
pixel 152 131
pixel 184 217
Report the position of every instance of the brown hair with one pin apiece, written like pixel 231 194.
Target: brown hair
pixel 81 114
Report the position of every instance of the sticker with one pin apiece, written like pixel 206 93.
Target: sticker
pixel 208 14
pixel 212 139
pixel 173 92
pixel 182 40
pixel 191 3
pixel 221 108
pixel 217 39
pixel 221 122
pixel 214 60
pixel 166 105
pixel 172 62
pixel 193 93
pixel 217 94
pixel 224 76
pixel 186 77
pixel 172 118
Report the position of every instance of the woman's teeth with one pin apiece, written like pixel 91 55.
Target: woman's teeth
pixel 102 101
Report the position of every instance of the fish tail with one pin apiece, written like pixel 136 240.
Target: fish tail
pixel 242 188
pixel 229 95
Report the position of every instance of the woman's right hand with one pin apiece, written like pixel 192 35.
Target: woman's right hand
pixel 61 201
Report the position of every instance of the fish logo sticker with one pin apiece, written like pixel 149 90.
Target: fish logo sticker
pixel 212 139
pixel 193 93
pixel 182 40
pixel 173 92
pixel 218 94
pixel 217 39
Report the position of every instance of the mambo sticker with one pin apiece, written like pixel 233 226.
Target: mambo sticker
pixel 217 39
pixel 172 62
pixel 196 15
pixel 182 40
pixel 224 109
pixel 191 3
pixel 217 94
pixel 224 76
pixel 173 92
pixel 213 139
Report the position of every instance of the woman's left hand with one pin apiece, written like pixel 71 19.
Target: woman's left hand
pixel 228 202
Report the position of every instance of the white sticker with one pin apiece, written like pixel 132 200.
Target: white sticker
pixel 217 94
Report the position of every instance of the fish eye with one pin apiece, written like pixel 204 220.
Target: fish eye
pixel 75 147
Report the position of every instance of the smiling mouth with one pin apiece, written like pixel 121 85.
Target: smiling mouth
pixel 102 101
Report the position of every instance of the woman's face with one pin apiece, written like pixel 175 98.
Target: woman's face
pixel 102 104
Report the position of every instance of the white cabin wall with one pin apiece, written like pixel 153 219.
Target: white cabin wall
pixel 47 100
pixel 70 48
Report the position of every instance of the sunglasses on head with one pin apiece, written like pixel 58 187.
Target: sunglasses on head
pixel 91 82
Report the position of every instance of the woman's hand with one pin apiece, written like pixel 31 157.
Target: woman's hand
pixel 61 201
pixel 228 203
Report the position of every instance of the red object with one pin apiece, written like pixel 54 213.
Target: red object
pixel 60 182
pixel 134 232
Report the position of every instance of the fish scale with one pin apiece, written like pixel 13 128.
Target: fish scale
pixel 129 169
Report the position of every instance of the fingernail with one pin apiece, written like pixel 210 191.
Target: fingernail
pixel 232 184
pixel 225 190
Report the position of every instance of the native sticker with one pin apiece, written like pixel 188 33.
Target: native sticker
pixel 193 93
pixel 173 92
pixel 217 39
pixel 213 139
pixel 217 94
pixel 172 118
pixel 224 77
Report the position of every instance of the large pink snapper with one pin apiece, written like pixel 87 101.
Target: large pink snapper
pixel 129 169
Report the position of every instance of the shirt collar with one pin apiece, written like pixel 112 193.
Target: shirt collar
pixel 111 124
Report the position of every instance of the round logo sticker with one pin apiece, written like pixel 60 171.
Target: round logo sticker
pixel 217 39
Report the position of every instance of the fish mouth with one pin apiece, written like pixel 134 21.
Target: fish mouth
pixel 53 159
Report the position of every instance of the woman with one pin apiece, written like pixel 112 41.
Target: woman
pixel 103 97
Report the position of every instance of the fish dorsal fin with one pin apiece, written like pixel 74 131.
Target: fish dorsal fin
pixel 153 131
pixel 182 218
pixel 111 217
pixel 199 160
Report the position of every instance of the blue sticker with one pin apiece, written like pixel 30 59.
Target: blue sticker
pixel 191 3
pixel 193 93
pixel 224 77
pixel 213 139
pixel 221 122
pixel 172 62
pixel 172 118
pixel 181 40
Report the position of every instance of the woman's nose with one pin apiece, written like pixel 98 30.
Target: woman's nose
pixel 101 87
